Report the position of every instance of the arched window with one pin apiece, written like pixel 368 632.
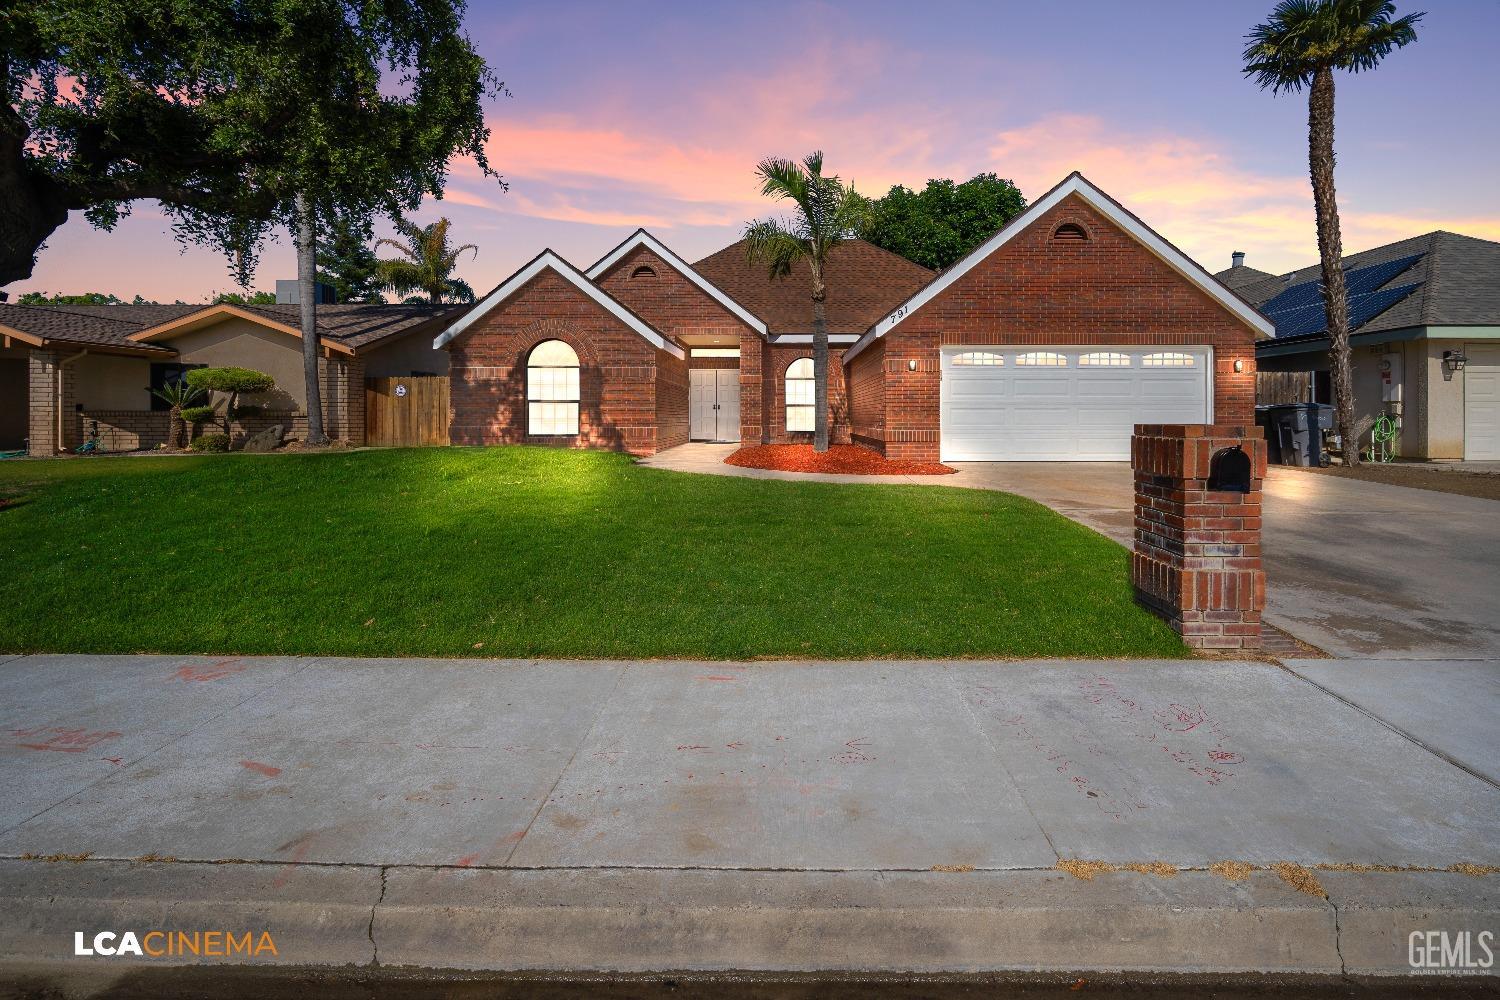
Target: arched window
pixel 1070 232
pixel 552 389
pixel 984 359
pixel 800 396
pixel 643 271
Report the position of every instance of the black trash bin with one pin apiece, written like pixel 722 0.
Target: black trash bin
pixel 1294 432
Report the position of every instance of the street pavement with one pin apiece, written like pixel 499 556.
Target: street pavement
pixel 639 816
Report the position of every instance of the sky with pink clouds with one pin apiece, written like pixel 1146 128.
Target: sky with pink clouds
pixel 655 114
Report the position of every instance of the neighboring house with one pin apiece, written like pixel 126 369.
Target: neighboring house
pixel 1424 317
pixel 64 369
pixel 1049 342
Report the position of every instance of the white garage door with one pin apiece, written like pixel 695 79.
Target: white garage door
pixel 1482 402
pixel 1065 404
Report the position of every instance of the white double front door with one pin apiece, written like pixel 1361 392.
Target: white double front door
pixel 714 404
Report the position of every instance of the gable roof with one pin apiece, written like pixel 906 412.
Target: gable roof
pixel 1436 279
pixel 1074 184
pixel 641 238
pixel 349 327
pixel 549 260
pixel 864 282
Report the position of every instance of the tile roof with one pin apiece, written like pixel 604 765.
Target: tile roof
pixel 357 325
pixel 864 283
pixel 1456 279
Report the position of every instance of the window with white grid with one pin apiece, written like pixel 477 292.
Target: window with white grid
pixel 1168 359
pixel 801 395
pixel 1042 359
pixel 1104 359
pixel 552 389
pixel 979 359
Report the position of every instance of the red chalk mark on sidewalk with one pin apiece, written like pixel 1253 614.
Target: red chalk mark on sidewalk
pixel 113 760
pixel 715 677
pixel 62 740
pixel 467 860
pixel 212 672
pixel 260 768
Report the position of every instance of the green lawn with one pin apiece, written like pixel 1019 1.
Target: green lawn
pixel 541 552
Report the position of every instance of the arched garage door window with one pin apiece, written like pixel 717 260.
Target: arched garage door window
pixel 800 395
pixel 552 389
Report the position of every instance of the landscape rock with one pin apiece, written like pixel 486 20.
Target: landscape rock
pixel 267 440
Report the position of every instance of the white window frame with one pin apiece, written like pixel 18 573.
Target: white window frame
pixel 807 385
pixel 1041 359
pixel 545 399
pixel 1104 359
pixel 1168 359
pixel 978 359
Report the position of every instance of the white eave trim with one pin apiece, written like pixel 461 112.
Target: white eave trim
pixel 1105 206
pixel 549 260
pixel 645 239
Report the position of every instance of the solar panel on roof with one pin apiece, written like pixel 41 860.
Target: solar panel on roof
pixel 1299 310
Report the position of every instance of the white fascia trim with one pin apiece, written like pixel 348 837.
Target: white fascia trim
pixel 547 260
pixel 1101 203
pixel 645 239
pixel 806 338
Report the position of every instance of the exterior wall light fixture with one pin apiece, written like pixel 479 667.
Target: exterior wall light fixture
pixel 1453 361
pixel 1239 365
pixel 911 365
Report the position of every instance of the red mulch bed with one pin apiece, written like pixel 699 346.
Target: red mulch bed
pixel 845 459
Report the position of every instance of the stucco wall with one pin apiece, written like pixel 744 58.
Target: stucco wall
pixel 406 356
pixel 108 382
pixel 242 344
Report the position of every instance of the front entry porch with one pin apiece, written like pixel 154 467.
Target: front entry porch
pixel 714 404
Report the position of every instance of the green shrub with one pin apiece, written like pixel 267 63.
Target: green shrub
pixel 210 442
pixel 230 380
pixel 197 414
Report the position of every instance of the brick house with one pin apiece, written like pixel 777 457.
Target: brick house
pixel 1049 342
pixel 65 370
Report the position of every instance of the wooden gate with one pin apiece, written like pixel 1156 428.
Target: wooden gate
pixel 406 411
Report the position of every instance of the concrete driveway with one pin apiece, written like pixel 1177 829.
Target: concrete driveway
pixel 1355 568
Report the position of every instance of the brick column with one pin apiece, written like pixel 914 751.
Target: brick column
pixel 1197 551
pixel 342 381
pixel 43 403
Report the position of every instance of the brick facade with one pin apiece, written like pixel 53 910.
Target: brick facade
pixel 44 368
pixel 867 397
pixel 1106 290
pixel 777 359
pixel 618 374
pixel 1197 558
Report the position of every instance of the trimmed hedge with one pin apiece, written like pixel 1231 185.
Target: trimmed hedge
pixel 210 442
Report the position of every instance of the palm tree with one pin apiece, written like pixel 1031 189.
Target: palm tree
pixel 178 396
pixel 1301 45
pixel 427 263
pixel 827 212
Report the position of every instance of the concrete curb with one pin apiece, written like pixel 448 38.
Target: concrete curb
pixel 640 921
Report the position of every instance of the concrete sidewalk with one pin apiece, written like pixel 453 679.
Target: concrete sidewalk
pixel 765 817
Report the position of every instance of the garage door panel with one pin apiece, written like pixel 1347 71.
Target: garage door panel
pixel 1482 402
pixel 1068 412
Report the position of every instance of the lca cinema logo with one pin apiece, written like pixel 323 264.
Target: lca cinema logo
pixel 175 944
pixel 1451 953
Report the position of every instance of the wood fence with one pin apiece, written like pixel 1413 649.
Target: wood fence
pixel 406 411
pixel 1283 387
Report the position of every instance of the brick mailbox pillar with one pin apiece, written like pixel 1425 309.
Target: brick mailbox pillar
pixel 1197 550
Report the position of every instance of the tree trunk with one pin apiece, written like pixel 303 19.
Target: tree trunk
pixel 820 366
pixel 1331 249
pixel 307 277
pixel 174 428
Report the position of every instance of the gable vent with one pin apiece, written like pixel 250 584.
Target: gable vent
pixel 1070 232
pixel 644 271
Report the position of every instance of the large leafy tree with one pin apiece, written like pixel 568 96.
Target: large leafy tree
pixel 944 221
pixel 826 212
pixel 1297 48
pixel 237 115
pixel 426 263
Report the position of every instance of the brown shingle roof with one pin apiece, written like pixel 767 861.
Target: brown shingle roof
pixel 864 283
pixel 356 325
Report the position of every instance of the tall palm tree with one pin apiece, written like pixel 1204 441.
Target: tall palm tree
pixel 426 263
pixel 827 211
pixel 1301 45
